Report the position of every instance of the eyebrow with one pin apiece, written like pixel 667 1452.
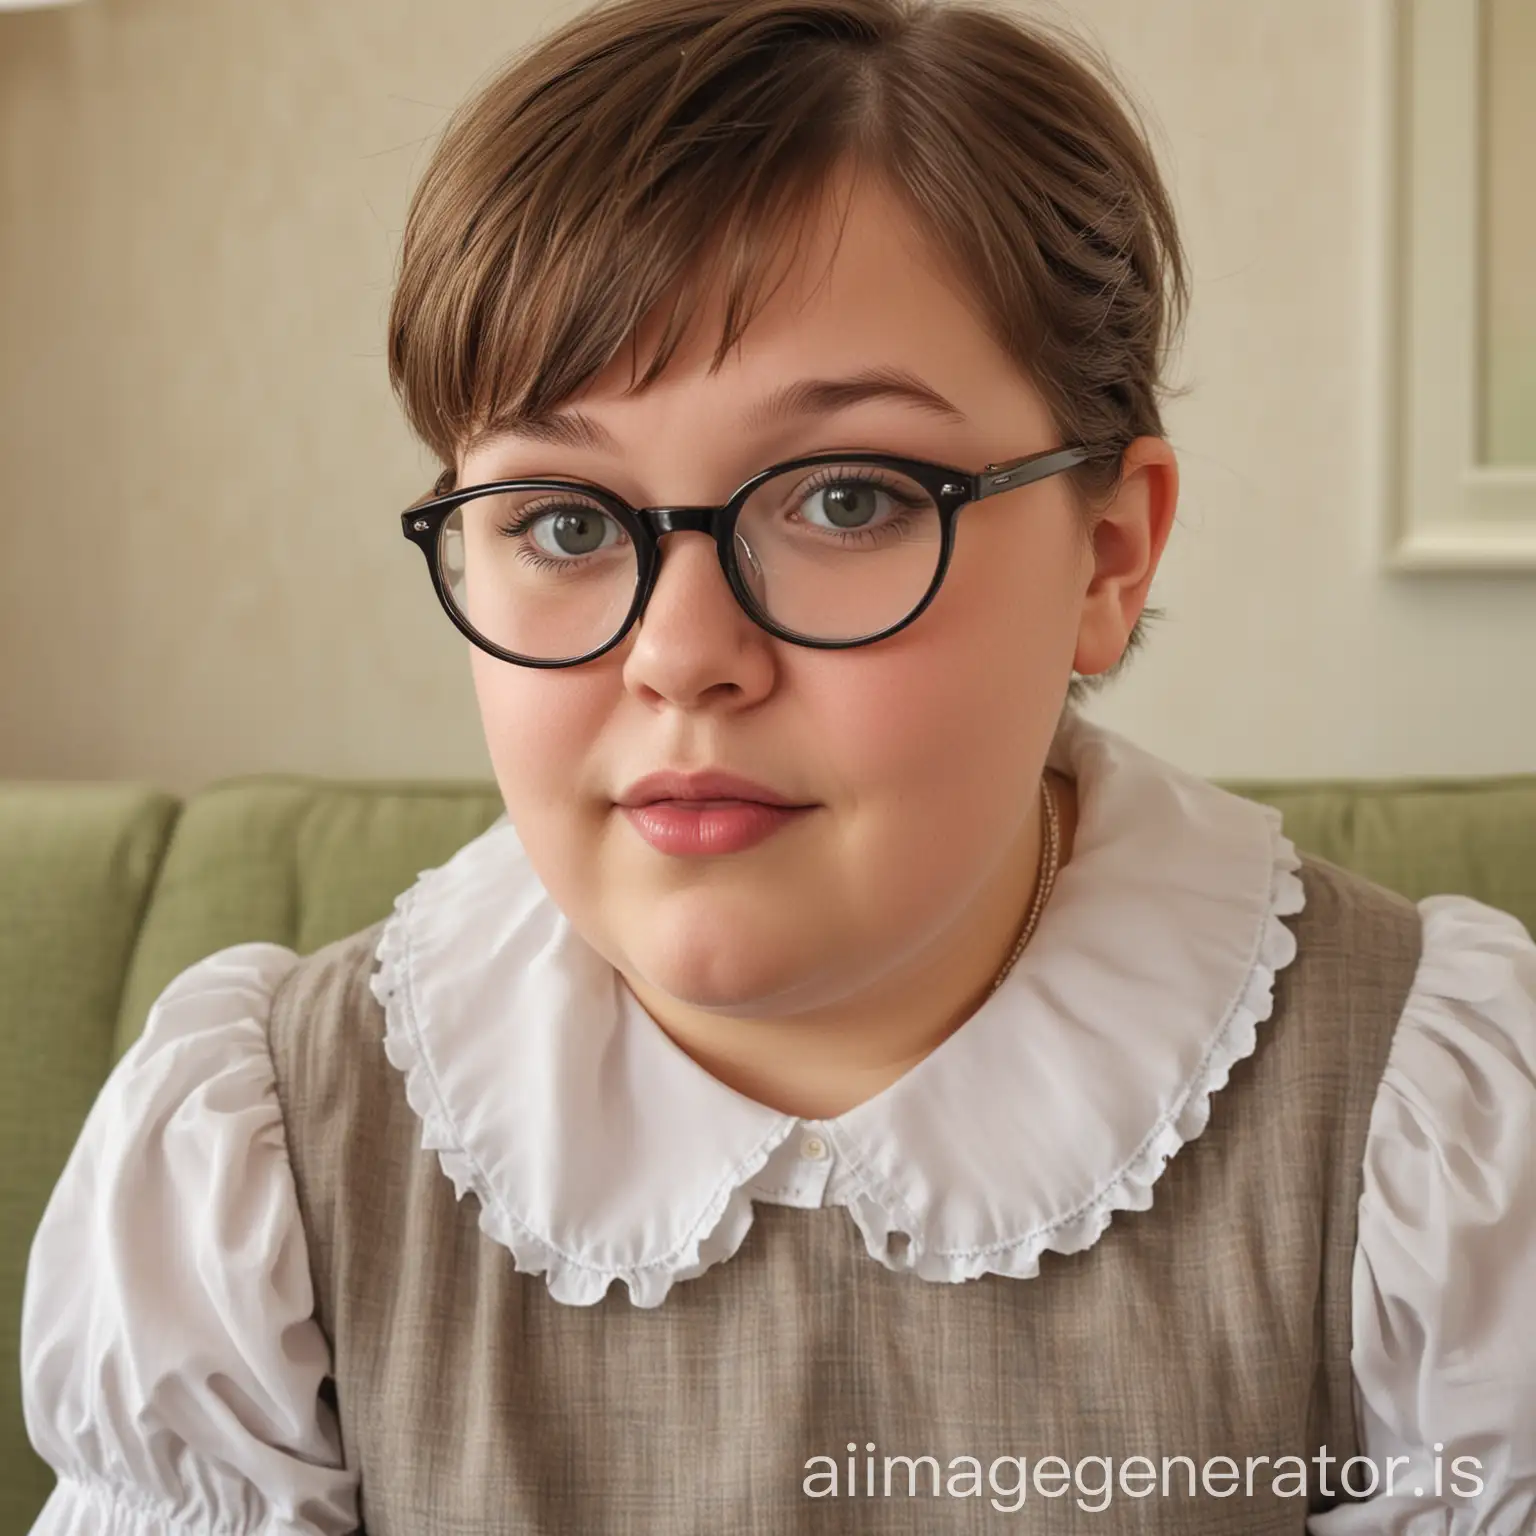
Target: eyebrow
pixel 790 402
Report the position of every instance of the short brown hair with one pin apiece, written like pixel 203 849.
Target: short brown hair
pixel 591 178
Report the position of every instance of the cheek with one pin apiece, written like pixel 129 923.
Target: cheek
pixel 539 728
pixel 922 746
pixel 954 706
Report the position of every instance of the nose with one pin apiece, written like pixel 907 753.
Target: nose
pixel 694 640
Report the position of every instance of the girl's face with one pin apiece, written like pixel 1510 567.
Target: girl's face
pixel 920 755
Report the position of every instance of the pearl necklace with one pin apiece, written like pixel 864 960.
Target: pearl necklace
pixel 1047 878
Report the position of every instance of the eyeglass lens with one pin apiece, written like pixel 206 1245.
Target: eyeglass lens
pixel 827 552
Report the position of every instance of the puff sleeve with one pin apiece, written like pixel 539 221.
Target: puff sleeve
pixel 171 1365
pixel 1444 1333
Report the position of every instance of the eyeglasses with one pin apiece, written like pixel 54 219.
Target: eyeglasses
pixel 831 551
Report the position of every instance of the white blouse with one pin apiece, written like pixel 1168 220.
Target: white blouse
pixel 172 1365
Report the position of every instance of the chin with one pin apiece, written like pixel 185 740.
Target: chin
pixel 702 982
pixel 698 952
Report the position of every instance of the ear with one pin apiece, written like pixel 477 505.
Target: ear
pixel 1127 542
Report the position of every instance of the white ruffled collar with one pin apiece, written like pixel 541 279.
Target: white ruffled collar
pixel 598 1150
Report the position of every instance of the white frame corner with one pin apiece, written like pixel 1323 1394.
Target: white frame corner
pixel 1446 511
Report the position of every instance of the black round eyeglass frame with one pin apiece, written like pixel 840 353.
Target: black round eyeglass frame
pixel 950 488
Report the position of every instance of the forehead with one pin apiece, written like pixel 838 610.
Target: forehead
pixel 857 306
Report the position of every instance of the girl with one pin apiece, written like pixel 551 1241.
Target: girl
pixel 890 1101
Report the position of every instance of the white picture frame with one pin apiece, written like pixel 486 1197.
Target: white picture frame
pixel 1447 511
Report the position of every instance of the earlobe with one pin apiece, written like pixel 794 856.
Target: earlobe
pixel 1128 539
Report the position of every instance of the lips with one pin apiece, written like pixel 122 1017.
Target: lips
pixel 701 828
pixel 711 812
pixel 711 786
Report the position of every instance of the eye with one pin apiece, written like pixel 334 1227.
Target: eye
pixel 573 531
pixel 841 500
pixel 558 531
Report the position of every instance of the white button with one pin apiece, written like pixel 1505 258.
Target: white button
pixel 814 1148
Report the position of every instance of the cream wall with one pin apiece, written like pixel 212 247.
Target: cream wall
pixel 202 570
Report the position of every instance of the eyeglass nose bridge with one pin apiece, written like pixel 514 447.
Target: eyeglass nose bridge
pixel 698 519
pixel 705 520
pixel 662 520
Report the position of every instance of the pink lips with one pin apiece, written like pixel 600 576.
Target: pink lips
pixel 691 814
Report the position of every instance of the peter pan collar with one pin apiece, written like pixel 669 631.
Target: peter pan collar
pixel 599 1151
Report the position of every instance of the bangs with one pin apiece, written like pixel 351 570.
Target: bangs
pixel 634 273
pixel 559 226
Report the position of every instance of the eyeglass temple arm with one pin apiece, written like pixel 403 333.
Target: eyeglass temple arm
pixel 1036 466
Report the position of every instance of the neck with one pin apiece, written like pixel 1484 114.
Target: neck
pixel 823 1063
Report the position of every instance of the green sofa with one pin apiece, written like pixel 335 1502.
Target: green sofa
pixel 108 891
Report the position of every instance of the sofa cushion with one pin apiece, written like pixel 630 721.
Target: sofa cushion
pixel 79 861
pixel 1420 836
pixel 295 861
